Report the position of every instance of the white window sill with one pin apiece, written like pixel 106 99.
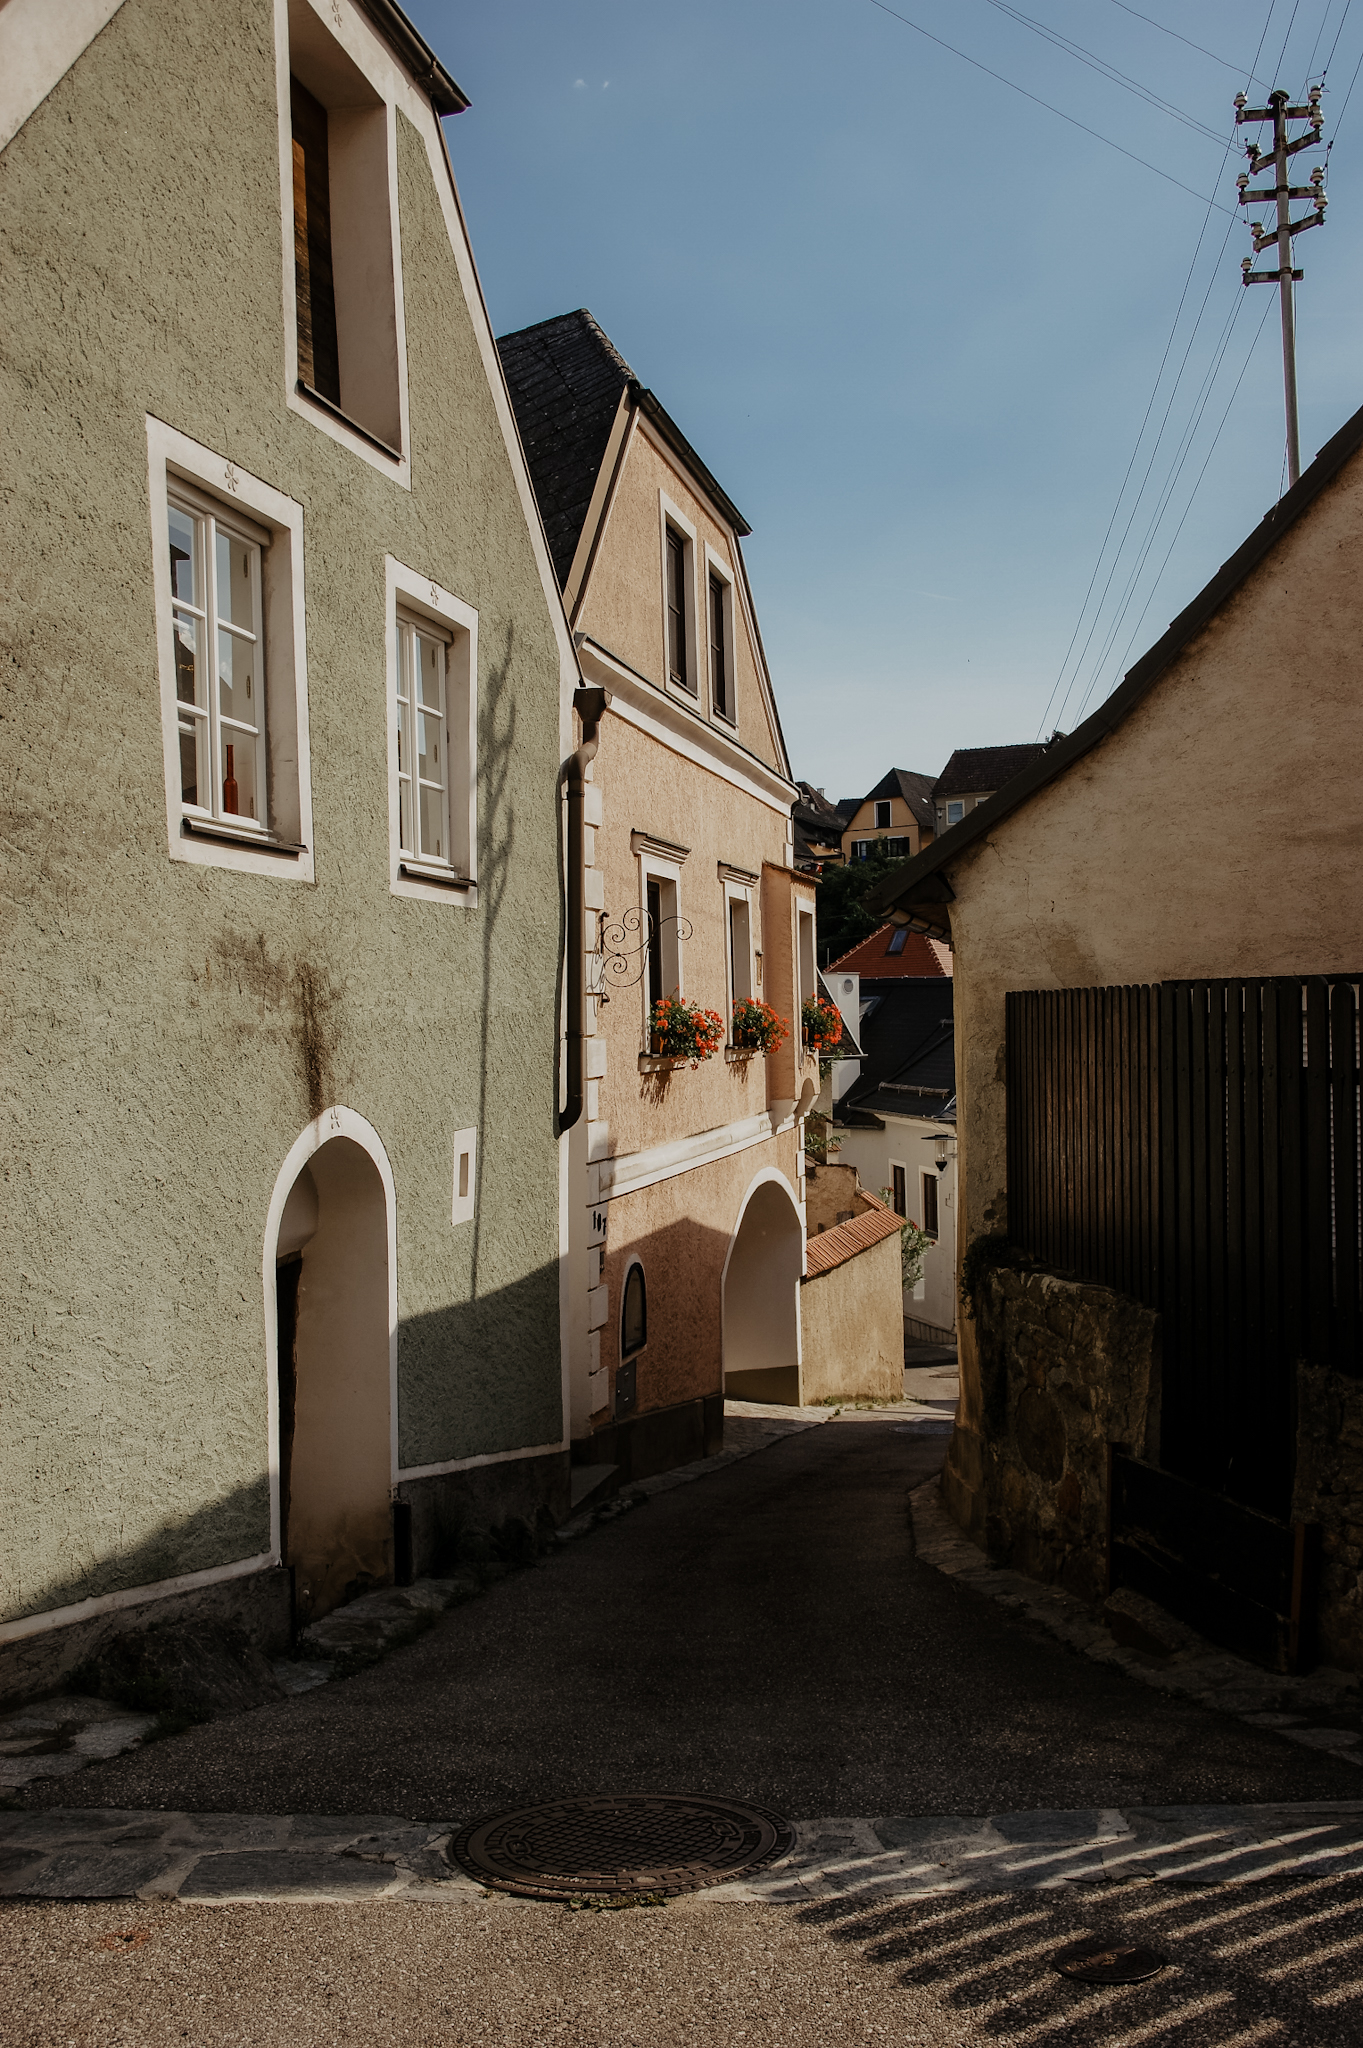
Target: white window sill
pixel 433 871
pixel 239 835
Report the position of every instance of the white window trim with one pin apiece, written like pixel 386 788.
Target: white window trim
pixel 715 565
pixel 672 515
pixel 803 994
pixel 462 1206
pixel 653 868
pixel 738 892
pixel 346 26
pixel 172 454
pixel 424 598
pixel 904 1168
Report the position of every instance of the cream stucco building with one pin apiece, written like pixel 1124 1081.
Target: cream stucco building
pixel 687 1225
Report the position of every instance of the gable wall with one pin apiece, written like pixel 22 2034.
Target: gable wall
pixel 1218 831
pixel 159 1056
pixel 624 603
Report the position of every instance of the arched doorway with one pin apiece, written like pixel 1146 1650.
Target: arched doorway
pixel 761 1297
pixel 333 1352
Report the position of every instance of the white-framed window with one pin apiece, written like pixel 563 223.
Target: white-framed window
pixel 681 650
pixel 804 957
pixel 955 811
pixel 899 1188
pixel 227 575
pixel 929 1182
pixel 882 814
pixel 660 866
pixel 345 338
pixel 719 638
pixel 739 946
pixel 432 739
pixel 861 849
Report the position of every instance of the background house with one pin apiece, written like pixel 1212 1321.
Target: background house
pixel 818 829
pixel 896 818
pixel 894 1121
pixel 281 1249
pixel 972 776
pixel 1158 1064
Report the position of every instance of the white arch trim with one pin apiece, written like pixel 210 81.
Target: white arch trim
pixel 336 1122
pixel 768 1173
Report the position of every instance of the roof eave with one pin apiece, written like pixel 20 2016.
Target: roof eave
pixel 907 887
pixel 658 415
pixel 406 39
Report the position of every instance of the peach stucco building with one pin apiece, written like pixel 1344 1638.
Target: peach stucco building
pixel 687 1227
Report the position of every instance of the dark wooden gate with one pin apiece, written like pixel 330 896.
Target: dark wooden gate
pixel 1197 1145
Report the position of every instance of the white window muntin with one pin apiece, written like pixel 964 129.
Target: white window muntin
pixel 429 610
pixel 423 739
pixel 218 634
pixel 216 486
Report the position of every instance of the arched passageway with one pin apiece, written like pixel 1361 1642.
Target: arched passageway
pixel 761 1298
pixel 332 1306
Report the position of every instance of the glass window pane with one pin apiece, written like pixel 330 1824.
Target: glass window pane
pixel 405 805
pixel 187 670
pixel 404 747
pixel 240 794
pixel 430 652
pixel 235 562
pixel 183 580
pixel 193 739
pixel 430 735
pixel 433 824
pixel 238 691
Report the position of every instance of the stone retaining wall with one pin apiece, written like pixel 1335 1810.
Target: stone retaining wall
pixel 1066 1369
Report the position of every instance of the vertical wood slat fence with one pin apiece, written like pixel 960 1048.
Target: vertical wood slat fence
pixel 1197 1145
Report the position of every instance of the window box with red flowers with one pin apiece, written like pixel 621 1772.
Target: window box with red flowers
pixel 821 1025
pixel 756 1028
pixel 682 1033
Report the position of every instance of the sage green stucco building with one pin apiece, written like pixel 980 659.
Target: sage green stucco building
pixel 286 687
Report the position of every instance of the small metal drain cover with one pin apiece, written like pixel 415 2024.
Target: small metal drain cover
pixel 634 1843
pixel 1096 1961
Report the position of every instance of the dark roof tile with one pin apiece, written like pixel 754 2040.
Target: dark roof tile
pixel 973 770
pixel 565 378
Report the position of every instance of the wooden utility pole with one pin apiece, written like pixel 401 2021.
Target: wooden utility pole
pixel 1279 112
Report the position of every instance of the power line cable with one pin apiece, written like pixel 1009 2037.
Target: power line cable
pixel 1192 494
pixel 1201 48
pixel 1012 85
pixel 1287 38
pixel 1104 69
pixel 1097 567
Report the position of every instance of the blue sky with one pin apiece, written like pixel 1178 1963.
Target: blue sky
pixel 913 320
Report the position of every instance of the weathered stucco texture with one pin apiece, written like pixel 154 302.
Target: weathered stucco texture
pixel 1065 1370
pixel 1218 831
pixel 852 1329
pixel 168 1030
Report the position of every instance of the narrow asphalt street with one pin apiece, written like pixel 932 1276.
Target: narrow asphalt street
pixel 765 1632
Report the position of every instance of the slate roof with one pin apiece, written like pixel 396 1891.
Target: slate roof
pixel 830 1248
pixel 873 960
pixel 976 769
pixel 816 823
pixel 908 1052
pixel 565 377
pixel 915 789
pixel 921 881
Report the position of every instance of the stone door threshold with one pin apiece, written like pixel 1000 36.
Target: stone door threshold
pixel 1321 1709
pixel 227 1859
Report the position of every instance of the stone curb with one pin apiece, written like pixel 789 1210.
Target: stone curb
pixel 1290 1706
pixel 304 1859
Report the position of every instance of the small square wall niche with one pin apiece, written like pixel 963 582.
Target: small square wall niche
pixel 465 1164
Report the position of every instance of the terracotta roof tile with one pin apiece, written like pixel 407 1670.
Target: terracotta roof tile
pixel 874 961
pixel 830 1248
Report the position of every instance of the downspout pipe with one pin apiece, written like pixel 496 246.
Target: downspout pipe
pixel 589 702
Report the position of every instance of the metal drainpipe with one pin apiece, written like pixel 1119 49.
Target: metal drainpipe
pixel 590 705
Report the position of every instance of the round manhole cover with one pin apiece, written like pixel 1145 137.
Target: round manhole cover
pixel 635 1843
pixel 1098 1961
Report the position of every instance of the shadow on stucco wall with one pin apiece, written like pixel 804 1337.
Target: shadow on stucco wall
pixel 497 835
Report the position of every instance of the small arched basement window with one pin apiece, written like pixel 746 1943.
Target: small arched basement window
pixel 634 1314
